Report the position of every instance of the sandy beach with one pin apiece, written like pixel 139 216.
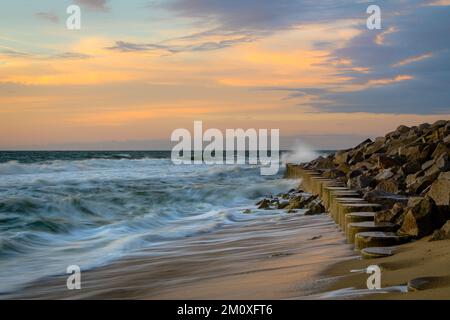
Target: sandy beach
pixel 274 258
pixel 293 257
pixel 413 260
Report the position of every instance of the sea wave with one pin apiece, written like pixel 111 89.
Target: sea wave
pixel 58 212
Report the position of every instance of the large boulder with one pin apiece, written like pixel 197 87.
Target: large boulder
pixel 314 207
pixel 333 173
pixel 402 129
pixel 324 163
pixel 384 175
pixel 442 233
pixel 442 163
pixel 438 124
pixel 264 204
pixel 354 173
pixel 361 182
pixel 378 146
pixel 300 202
pixel 387 199
pixel 411 167
pixel 341 157
pixel 356 157
pixel 440 192
pixel 418 183
pixel 446 140
pixel 421 218
pixel 424 126
pixel 345 168
pixel 440 150
pixel 389 186
pixel 393 215
pixel 413 151
pixel 447 128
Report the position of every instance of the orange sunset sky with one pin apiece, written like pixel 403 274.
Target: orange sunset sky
pixel 137 70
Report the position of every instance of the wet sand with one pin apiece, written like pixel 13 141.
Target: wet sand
pixel 413 260
pixel 273 257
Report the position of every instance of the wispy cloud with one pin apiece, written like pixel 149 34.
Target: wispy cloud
pixel 100 5
pixel 49 16
pixel 57 56
pixel 387 81
pixel 409 60
pixel 438 3
pixel 266 15
pixel 380 39
pixel 13 53
pixel 124 46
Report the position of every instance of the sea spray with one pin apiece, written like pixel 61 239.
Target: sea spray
pixel 300 153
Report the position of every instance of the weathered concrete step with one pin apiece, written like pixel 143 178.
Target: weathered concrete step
pixel 345 208
pixel 317 184
pixel 307 178
pixel 334 194
pixel 342 194
pixel 377 252
pixel 326 192
pixel 334 210
pixel 366 226
pixel 294 171
pixel 359 217
pixel 378 239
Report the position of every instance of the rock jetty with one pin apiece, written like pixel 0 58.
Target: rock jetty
pixel 407 172
pixel 383 192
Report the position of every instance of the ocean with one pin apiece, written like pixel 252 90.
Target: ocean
pixel 90 208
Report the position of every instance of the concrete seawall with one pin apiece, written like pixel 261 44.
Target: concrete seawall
pixel 351 213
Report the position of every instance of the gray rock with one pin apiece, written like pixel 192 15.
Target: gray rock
pixel 440 190
pixel 354 173
pixel 402 129
pixel 341 157
pixel 440 149
pixel 446 140
pixel 424 126
pixel 389 186
pixel 411 167
pixel 385 162
pixel 264 204
pixel 421 218
pixel 442 233
pixel 282 204
pixel 438 124
pixel 299 202
pixel 393 215
pixel 333 174
pixel 427 164
pixel 314 207
pixel 384 174
pixel 415 187
pixel 361 182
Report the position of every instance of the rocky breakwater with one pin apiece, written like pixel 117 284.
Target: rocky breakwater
pixel 293 201
pixel 406 174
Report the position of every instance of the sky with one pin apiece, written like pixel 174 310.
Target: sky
pixel 139 69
